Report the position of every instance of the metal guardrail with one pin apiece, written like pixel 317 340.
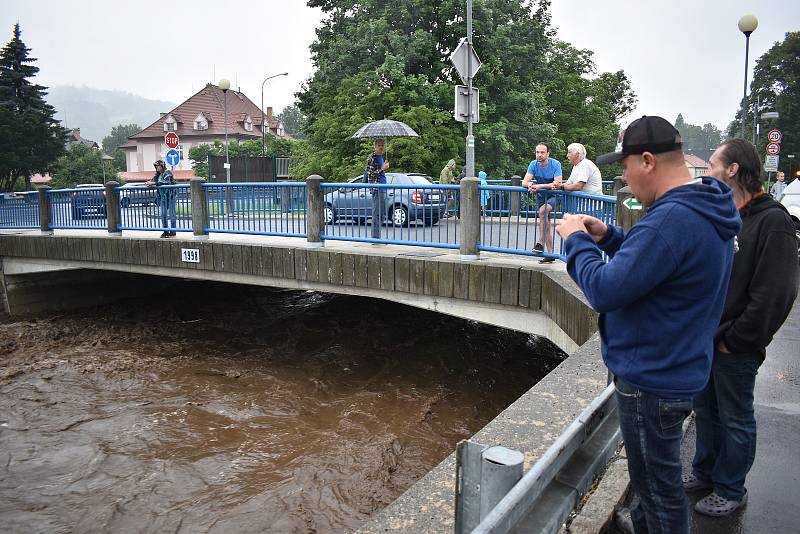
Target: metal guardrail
pixel 140 208
pixel 270 208
pixel 19 212
pixel 543 498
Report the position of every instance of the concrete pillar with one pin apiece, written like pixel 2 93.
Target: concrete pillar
pixel 199 208
pixel 44 210
pixel 113 213
pixel 516 181
pixel 470 218
pixel 627 216
pixel 315 205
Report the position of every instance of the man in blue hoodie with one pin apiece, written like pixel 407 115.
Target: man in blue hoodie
pixel 660 298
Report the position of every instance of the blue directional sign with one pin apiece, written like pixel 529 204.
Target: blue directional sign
pixel 173 157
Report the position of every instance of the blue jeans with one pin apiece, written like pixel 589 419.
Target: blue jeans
pixel 726 424
pixel 652 428
pixel 166 200
pixel 378 211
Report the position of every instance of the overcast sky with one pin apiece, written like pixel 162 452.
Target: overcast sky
pixel 682 56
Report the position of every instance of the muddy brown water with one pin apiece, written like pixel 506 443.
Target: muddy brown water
pixel 224 408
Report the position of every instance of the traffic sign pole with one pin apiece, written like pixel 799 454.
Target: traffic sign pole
pixel 470 163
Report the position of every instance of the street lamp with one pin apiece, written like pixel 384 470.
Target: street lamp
pixel 103 159
pixel 263 135
pixel 225 84
pixel 747 25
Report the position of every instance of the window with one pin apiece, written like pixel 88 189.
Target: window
pixel 248 124
pixel 200 122
pixel 170 124
pixel 180 151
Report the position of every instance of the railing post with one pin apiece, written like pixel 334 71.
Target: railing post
pixel 199 208
pixel 628 216
pixel 113 214
pixel 44 210
pixel 315 206
pixel 516 181
pixel 470 218
pixel 501 469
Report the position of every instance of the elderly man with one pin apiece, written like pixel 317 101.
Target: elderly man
pixel 546 171
pixel 585 175
pixel 660 297
pixel 762 290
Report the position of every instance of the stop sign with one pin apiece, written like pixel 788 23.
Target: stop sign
pixel 171 140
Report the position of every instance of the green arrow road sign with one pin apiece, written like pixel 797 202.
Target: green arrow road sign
pixel 632 204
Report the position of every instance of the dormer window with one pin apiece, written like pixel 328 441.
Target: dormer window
pixel 170 124
pixel 280 130
pixel 248 123
pixel 200 122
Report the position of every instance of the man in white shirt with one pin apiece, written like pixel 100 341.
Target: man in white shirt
pixel 585 175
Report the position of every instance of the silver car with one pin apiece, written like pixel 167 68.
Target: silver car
pixel 403 205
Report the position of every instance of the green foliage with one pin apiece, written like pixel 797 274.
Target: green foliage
pixel 30 138
pixel 81 165
pixel 119 136
pixel 776 84
pixel 294 121
pixel 378 59
pixel 700 140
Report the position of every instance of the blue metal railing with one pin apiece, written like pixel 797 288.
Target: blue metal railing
pixel 415 214
pixel 83 207
pixel 19 211
pixel 411 213
pixel 140 208
pixel 271 208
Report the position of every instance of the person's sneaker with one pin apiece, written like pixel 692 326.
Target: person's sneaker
pixel 622 518
pixel 538 247
pixel 718 506
pixel 164 234
pixel 692 483
pixel 547 260
pixel 172 234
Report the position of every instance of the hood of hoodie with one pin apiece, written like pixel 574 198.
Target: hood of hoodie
pixel 710 199
pixel 482 176
pixel 451 163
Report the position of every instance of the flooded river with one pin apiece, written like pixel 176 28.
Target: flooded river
pixel 223 408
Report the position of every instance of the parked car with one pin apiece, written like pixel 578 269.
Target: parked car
pixel 791 201
pixel 89 199
pixel 137 194
pixel 403 205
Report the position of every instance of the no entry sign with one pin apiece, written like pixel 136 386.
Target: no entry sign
pixel 773 149
pixel 172 140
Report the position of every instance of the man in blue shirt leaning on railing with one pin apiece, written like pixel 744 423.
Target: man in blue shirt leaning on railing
pixel 660 298
pixel 546 171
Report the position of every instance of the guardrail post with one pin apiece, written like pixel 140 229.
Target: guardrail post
pixel 315 206
pixel 113 214
pixel 199 208
pixel 627 216
pixel 501 469
pixel 516 181
pixel 470 203
pixel 44 210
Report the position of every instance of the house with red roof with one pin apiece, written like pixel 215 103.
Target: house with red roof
pixel 199 120
pixel 697 166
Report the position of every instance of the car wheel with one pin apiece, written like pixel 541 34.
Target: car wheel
pixel 329 215
pixel 124 202
pixel 399 215
pixel 430 222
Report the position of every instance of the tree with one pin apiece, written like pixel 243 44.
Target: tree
pixel 293 121
pixel 376 59
pixel 698 140
pixel 775 87
pixel 81 164
pixel 118 137
pixel 30 137
pixel 275 146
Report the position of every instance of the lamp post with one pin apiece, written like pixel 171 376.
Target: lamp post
pixel 263 134
pixel 225 84
pixel 103 159
pixel 747 25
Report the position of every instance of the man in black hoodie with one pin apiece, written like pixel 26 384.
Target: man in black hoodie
pixel 762 289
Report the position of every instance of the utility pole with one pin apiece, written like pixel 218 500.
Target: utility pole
pixel 470 163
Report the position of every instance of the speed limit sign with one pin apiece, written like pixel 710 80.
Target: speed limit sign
pixel 774 136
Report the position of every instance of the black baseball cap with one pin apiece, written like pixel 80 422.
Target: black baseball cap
pixel 648 134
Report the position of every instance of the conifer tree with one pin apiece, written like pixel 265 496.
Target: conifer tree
pixel 31 138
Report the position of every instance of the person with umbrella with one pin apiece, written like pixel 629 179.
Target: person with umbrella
pixel 376 174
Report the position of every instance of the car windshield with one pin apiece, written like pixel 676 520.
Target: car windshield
pixel 409 179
